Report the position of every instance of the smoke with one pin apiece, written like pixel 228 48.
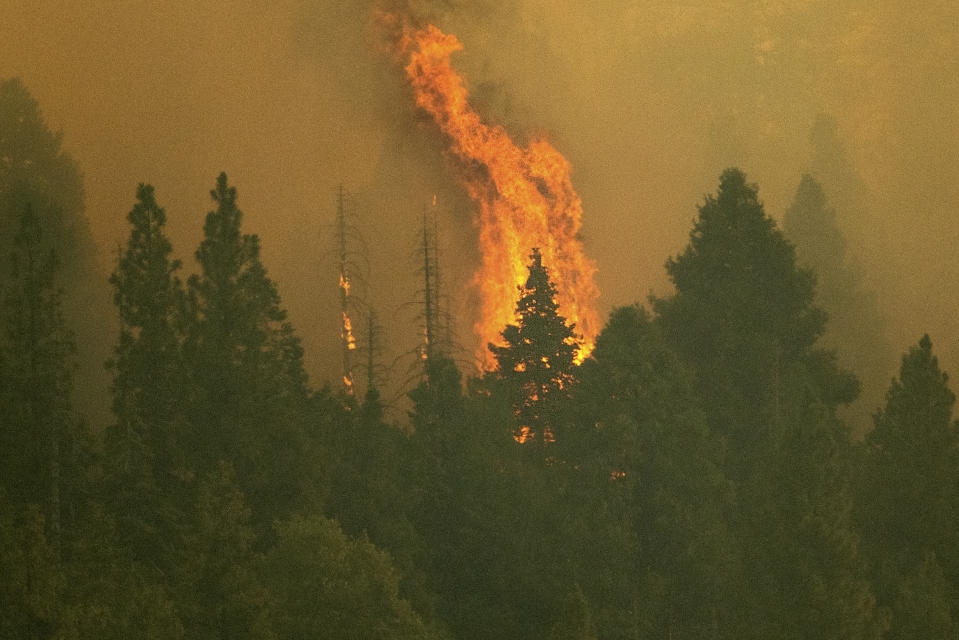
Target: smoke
pixel 648 100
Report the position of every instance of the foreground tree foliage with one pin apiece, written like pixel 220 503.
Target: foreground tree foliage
pixel 145 447
pixel 643 434
pixel 690 479
pixel 43 435
pixel 744 319
pixel 908 497
pixel 326 583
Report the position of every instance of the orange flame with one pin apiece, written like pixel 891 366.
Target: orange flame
pixel 348 332
pixel 526 198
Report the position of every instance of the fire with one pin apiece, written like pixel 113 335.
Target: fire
pixel 348 332
pixel 526 198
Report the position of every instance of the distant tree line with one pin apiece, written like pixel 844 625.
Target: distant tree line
pixel 690 479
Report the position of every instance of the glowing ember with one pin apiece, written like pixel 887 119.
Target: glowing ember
pixel 526 198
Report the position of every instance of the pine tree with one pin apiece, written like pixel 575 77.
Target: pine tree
pixel 924 605
pixel 744 313
pixel 219 592
pixel 743 318
pixel 146 451
pixel 42 438
pixel 855 324
pixel 246 364
pixel 536 362
pixel 908 492
pixel 36 171
pixel 45 449
pixel 345 587
pixel 642 440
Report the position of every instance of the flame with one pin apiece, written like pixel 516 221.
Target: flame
pixel 526 198
pixel 348 332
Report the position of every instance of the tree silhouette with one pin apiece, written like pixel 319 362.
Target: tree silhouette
pixel 40 432
pixel 245 366
pixel 145 445
pixel 36 171
pixel 743 318
pixel 536 362
pixel 908 498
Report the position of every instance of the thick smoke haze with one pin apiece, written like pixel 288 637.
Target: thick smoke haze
pixel 650 101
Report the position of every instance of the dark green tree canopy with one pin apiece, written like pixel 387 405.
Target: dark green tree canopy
pixel 41 439
pixel 146 288
pixel 537 359
pixel 739 272
pixel 151 302
pixel 917 416
pixel 236 295
pixel 241 322
pixel 908 498
pixel 145 445
pixel 244 364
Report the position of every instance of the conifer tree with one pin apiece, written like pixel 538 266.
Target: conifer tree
pixel 42 438
pixel 855 326
pixel 345 587
pixel 146 451
pixel 245 363
pixel 36 171
pixel 908 492
pixel 642 440
pixel 536 362
pixel 744 314
pixel 45 450
pixel 743 318
pixel 219 591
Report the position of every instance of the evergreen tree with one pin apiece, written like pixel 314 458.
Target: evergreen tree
pixel 923 606
pixel 642 440
pixel 146 453
pixel 43 440
pixel 743 318
pixel 245 364
pixel 908 492
pixel 744 314
pixel 36 171
pixel 45 450
pixel 220 595
pixel 325 582
pixel 535 364
pixel 438 472
pixel 855 326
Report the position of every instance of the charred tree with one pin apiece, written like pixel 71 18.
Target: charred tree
pixel 347 339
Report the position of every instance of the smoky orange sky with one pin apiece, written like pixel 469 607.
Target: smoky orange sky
pixel 649 100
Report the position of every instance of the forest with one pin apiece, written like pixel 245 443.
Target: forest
pixel 696 476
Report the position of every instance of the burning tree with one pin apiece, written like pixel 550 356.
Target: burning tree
pixel 537 360
pixel 526 195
